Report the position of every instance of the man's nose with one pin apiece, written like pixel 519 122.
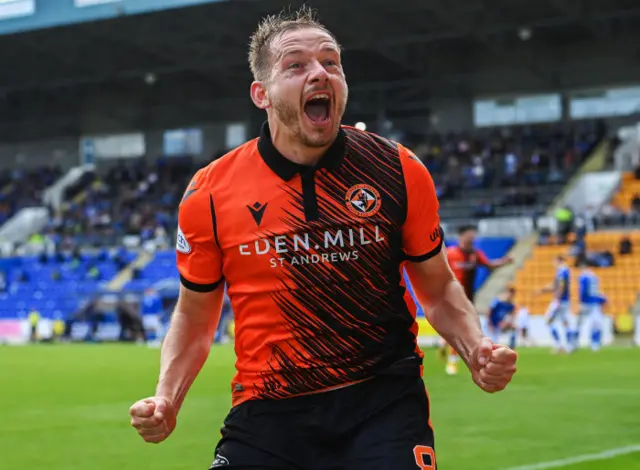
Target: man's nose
pixel 318 73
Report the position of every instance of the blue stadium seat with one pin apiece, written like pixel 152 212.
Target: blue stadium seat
pixel 52 297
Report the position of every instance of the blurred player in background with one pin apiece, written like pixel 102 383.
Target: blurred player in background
pixel 559 311
pixel 591 304
pixel 522 325
pixel 465 259
pixel 501 317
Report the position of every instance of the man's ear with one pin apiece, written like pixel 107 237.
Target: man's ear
pixel 259 95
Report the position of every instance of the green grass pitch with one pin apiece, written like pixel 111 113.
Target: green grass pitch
pixel 64 407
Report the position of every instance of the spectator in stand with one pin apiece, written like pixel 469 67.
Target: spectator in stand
pixel 610 215
pixel 564 218
pixel 626 247
pixel 484 209
pixel 633 216
pixel 510 169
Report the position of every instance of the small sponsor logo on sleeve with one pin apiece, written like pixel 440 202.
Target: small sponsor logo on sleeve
pixel 182 245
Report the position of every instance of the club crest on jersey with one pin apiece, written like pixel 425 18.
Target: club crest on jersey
pixel 363 200
pixel 182 245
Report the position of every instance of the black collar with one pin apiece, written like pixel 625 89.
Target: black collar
pixel 285 168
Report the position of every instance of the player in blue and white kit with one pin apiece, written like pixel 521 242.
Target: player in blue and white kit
pixel 559 311
pixel 521 323
pixel 591 301
pixel 501 317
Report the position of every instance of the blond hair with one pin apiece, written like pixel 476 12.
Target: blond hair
pixel 273 26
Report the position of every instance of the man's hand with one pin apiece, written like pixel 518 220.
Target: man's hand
pixel 492 366
pixel 154 418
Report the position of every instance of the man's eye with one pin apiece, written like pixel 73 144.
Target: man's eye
pixel 330 63
pixel 295 65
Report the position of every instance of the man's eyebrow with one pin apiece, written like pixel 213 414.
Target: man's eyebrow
pixel 331 48
pixel 290 52
pixel 285 53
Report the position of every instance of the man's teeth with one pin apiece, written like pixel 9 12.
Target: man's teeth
pixel 322 96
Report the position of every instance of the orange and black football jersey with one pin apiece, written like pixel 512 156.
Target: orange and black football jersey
pixel 312 258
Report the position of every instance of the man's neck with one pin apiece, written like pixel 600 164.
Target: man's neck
pixel 292 149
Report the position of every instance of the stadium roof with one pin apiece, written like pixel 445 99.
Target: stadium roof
pixel 398 54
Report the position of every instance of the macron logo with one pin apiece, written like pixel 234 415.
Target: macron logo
pixel 257 211
pixel 182 245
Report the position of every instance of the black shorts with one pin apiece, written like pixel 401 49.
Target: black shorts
pixel 380 424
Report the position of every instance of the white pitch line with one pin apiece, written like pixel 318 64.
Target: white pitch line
pixel 607 454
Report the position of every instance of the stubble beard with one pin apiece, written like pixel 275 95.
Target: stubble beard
pixel 291 116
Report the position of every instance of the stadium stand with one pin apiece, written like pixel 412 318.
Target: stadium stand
pixel 56 285
pixel 23 188
pixel 504 173
pixel 124 198
pixel 161 268
pixel 620 282
pixel 625 206
pixel 478 176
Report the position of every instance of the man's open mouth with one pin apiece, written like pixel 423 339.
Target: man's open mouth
pixel 318 107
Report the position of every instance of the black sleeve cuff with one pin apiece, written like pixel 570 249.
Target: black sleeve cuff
pixel 199 287
pixel 426 256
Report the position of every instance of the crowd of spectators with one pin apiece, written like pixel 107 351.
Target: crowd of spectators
pixel 129 198
pixel 139 198
pixel 20 188
pixel 515 158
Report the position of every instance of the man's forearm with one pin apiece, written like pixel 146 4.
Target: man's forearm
pixel 454 317
pixel 184 352
pixel 499 262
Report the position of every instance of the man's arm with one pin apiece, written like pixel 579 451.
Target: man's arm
pixel 553 286
pixel 188 342
pixel 494 263
pixel 184 352
pixel 445 304
pixel 195 318
pixel 442 297
pixel 498 263
pixel 546 289
pixel 453 316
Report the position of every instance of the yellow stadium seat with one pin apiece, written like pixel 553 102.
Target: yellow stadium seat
pixel 629 187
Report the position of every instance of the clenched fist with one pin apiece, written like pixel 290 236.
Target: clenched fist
pixel 154 418
pixel 492 366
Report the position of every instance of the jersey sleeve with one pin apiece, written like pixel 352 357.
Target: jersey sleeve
pixel 422 236
pixel 198 255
